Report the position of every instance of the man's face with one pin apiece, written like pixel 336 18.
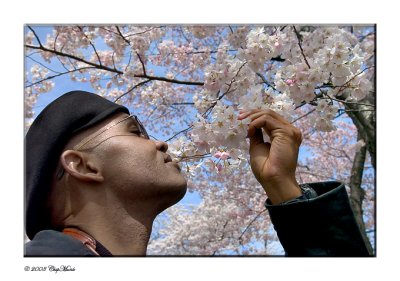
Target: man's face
pixel 136 168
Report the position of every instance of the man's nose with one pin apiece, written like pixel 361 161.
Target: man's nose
pixel 162 146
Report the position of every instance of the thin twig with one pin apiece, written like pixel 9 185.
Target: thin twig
pixel 91 44
pixel 347 102
pixel 253 220
pixel 131 89
pixel 308 113
pixel 56 75
pixel 143 32
pixel 123 37
pixel 141 61
pixel 359 110
pixel 38 62
pixel 37 37
pixel 182 103
pixel 180 132
pixel 265 81
pixel 301 48
pixel 63 65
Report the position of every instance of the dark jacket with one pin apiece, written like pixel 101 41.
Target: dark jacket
pixel 53 243
pixel 323 226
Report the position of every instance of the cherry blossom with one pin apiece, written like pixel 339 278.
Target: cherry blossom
pixel 189 83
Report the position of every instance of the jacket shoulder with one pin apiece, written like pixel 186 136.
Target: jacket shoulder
pixel 52 243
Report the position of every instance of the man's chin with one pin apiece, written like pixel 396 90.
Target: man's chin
pixel 176 194
pixel 181 190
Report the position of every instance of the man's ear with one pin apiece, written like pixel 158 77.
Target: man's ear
pixel 79 166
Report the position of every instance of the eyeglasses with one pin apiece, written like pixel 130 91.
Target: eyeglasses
pixel 138 124
pixel 142 131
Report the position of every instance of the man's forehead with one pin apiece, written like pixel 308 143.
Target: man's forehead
pixel 110 121
pixel 113 119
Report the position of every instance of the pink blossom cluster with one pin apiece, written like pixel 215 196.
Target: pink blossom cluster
pixel 237 38
pixel 260 47
pixel 201 31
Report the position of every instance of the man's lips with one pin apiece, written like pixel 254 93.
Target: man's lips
pixel 168 159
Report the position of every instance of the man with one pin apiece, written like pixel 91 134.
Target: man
pixel 96 181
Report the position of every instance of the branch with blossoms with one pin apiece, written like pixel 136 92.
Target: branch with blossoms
pixel 132 88
pixel 44 49
pixel 102 67
pixel 57 75
pixel 345 85
pixel 346 102
pixel 43 65
pixel 265 81
pixel 91 44
pixel 231 82
pixel 301 48
pixel 99 66
pixel 129 43
pixel 209 109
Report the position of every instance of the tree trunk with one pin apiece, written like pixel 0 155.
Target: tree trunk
pixel 357 193
pixel 365 123
pixel 364 118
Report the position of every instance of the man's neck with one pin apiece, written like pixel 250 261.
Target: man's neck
pixel 121 233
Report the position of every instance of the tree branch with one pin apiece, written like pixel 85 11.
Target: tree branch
pixel 75 58
pixel 36 36
pixel 304 115
pixel 56 75
pixel 301 48
pixel 141 61
pixel 131 89
pixel 265 81
pixel 91 44
pixel 180 132
pixel 182 103
pixel 143 32
pixel 122 36
pixel 251 222
pixel 169 80
pixel 176 81
pixel 38 62
pixel 347 102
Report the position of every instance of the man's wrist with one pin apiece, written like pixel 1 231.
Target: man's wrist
pixel 307 193
pixel 282 192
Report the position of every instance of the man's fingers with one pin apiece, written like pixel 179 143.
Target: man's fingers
pixel 255 113
pixel 272 127
pixel 266 122
pixel 255 135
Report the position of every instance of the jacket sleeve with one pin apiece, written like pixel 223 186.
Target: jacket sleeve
pixel 322 226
